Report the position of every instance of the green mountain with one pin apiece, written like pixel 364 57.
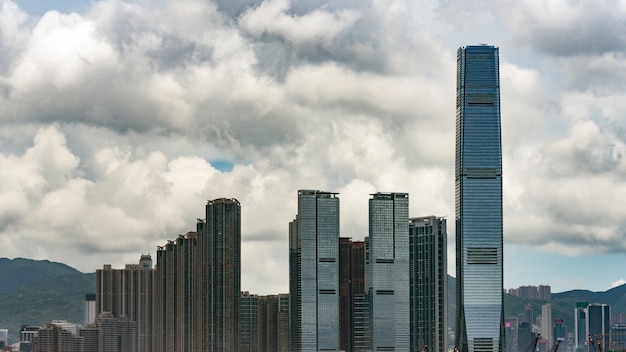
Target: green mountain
pixel 33 292
pixel 563 304
pixel 15 273
pixel 36 292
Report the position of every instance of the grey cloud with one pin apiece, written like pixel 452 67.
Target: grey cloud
pixel 175 52
pixel 602 32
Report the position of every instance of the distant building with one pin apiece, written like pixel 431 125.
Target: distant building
pixel 249 339
pixel 118 334
pixel 592 323
pixel 428 283
pixel 541 292
pixel 387 288
pixel 314 273
pixel 90 308
pixel 546 324
pixel 352 295
pixel 558 334
pixel 28 333
pixel 511 336
pixel 525 337
pixel 54 338
pixel 528 313
pixel 618 337
pixel 128 293
pixel 274 323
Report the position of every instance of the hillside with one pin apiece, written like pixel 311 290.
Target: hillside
pixel 563 304
pixel 15 273
pixel 36 292
pixel 56 291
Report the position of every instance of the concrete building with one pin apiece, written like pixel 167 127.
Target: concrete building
pixel 127 293
pixel 352 295
pixel 249 340
pixel 274 323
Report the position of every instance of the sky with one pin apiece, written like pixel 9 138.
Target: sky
pixel 119 120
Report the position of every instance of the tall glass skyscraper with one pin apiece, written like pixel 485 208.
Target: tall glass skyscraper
pixel 387 280
pixel 478 178
pixel 314 273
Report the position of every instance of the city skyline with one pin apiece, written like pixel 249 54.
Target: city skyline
pixel 119 118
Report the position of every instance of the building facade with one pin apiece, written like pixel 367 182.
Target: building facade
pixel 174 305
pixel 314 273
pixel 274 323
pixel 127 293
pixel 428 283
pixel 387 281
pixel 249 340
pixel 547 324
pixel 351 294
pixel 478 183
pixel 220 248
pixel 592 324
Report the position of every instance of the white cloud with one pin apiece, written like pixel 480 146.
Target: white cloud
pixel 272 17
pixel 617 283
pixel 109 121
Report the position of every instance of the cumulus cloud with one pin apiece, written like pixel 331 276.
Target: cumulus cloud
pixel 113 121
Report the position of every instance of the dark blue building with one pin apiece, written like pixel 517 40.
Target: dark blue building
pixel 478 181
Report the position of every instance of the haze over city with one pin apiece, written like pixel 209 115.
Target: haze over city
pixel 120 119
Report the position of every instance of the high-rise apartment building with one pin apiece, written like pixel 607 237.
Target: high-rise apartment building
pixel 387 281
pixel 274 323
pixel 428 283
pixel 351 294
pixel 54 338
pixel 546 324
pixel 249 339
pixel 314 273
pixel 198 284
pixel 478 179
pixel 220 255
pixel 128 293
pixel 174 305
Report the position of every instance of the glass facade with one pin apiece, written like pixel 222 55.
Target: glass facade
pixel 314 273
pixel 478 178
pixel 428 283
pixel 388 272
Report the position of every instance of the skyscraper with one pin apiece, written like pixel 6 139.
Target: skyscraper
pixel 274 323
pixel 388 272
pixel 478 178
pixel 220 273
pixel 351 294
pixel 314 273
pixel 174 304
pixel 249 340
pixel 428 283
pixel 129 293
